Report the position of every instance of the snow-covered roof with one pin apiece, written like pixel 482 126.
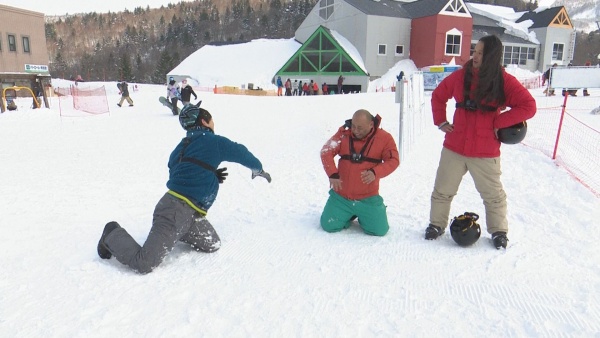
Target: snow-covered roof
pixel 506 17
pixel 251 62
pixel 350 49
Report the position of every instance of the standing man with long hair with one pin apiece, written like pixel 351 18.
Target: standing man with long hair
pixel 483 92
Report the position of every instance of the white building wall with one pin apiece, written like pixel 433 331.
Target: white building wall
pixel 390 32
pixel 548 37
pixel 346 20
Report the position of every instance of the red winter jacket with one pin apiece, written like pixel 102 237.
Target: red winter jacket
pixel 383 147
pixel 473 134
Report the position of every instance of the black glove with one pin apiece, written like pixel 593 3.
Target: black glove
pixel 261 173
pixel 221 174
pixel 348 124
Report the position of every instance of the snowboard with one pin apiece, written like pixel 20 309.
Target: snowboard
pixel 166 103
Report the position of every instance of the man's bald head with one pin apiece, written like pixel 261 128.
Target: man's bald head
pixel 362 123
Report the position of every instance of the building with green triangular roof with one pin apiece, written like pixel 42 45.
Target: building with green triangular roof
pixel 323 58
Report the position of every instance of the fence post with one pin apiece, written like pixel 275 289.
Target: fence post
pixel 400 98
pixel 562 117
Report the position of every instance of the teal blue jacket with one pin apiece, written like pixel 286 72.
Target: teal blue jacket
pixel 196 183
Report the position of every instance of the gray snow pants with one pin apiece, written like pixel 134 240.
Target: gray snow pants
pixel 173 220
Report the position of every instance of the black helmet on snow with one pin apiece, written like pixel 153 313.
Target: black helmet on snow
pixel 191 114
pixel 513 134
pixel 464 229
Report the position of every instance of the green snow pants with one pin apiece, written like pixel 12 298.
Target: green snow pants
pixel 339 212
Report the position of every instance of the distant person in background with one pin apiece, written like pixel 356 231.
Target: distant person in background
pixel 279 86
pixel 400 76
pixel 315 88
pixel 340 83
pixel 546 77
pixel 186 93
pixel 325 88
pixel 305 88
pixel 311 88
pixel 125 95
pixel 173 94
pixel 295 88
pixel 585 91
pixel 78 79
pixel 288 87
pixel 38 94
pixel 569 91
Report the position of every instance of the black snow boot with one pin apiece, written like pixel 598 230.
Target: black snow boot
pixel 433 232
pixel 500 239
pixel 102 249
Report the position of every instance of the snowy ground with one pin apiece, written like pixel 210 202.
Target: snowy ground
pixel 277 273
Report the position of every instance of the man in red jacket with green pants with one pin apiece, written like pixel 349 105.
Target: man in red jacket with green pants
pixel 367 154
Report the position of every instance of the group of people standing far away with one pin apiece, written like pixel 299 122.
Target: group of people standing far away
pixel 299 88
pixel 176 93
pixel 488 99
pixel 566 91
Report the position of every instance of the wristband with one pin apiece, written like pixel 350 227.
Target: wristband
pixel 443 124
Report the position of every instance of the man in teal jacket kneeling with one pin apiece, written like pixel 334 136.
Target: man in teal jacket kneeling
pixel 180 214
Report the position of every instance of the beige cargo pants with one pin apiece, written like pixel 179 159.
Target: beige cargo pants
pixel 486 175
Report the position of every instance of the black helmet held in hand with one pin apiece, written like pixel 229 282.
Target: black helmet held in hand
pixel 464 229
pixel 513 134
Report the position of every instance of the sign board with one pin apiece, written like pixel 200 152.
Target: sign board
pixel 575 77
pixel 36 68
pixel 433 75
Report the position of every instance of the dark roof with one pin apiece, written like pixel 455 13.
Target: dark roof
pixel 399 9
pixel 482 20
pixel 541 19
pixel 423 8
pixel 380 8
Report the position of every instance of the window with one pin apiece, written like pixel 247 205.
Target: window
pixel 381 49
pixel 557 51
pixel 472 51
pixel 325 9
pixel 452 44
pixel 399 50
pixel 26 45
pixel 514 55
pixel 12 43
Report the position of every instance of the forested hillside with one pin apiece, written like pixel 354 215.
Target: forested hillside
pixel 144 44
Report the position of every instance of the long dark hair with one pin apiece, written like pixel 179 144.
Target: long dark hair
pixel 490 86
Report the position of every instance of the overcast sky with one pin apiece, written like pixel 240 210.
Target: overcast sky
pixel 61 7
